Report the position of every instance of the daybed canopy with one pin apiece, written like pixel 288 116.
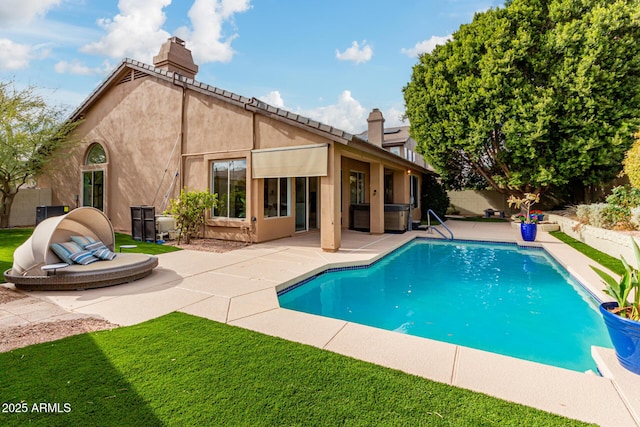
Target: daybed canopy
pixel 30 258
pixel 85 221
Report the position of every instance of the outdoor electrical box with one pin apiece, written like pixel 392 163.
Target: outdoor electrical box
pixel 143 223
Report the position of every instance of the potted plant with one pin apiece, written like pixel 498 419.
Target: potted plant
pixel 537 213
pixel 528 222
pixel 622 316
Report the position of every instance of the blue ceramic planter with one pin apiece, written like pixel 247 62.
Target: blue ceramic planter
pixel 528 231
pixel 625 336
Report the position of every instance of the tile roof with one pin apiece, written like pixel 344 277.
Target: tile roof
pixel 216 92
pixel 252 104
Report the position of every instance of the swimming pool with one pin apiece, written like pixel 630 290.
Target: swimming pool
pixel 500 298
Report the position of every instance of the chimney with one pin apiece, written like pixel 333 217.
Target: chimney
pixel 376 127
pixel 175 57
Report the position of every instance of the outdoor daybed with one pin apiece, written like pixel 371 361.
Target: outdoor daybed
pixel 37 267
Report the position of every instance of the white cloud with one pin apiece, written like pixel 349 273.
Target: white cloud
pixel 426 46
pixel 347 114
pixel 13 12
pixel 393 117
pixel 78 68
pixel 356 53
pixel 206 38
pixel 273 98
pixel 16 56
pixel 135 32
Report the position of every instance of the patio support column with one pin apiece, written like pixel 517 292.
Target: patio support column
pixel 330 194
pixel 376 198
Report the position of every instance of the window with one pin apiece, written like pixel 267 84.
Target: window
pixel 395 150
pixel 414 191
pixel 94 177
pixel 356 184
pixel 229 181
pixel 93 189
pixel 96 155
pixel 388 187
pixel 277 197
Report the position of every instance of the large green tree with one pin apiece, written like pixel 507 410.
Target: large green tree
pixel 535 95
pixel 31 133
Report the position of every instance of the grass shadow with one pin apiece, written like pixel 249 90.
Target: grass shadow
pixel 69 382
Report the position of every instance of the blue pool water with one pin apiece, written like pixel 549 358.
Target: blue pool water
pixel 495 297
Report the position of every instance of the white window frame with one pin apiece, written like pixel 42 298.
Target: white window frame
pixel 228 189
pixel 279 213
pixel 360 186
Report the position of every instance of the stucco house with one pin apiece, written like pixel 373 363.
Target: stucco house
pixel 148 131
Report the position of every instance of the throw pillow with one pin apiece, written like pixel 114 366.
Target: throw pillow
pixel 83 258
pixel 83 241
pixel 103 253
pixel 65 250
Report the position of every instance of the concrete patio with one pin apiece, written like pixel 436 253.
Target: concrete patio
pixel 239 288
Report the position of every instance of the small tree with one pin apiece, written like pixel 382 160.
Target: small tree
pixel 434 197
pixel 189 210
pixel 31 133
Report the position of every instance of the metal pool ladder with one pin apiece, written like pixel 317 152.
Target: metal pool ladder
pixel 430 228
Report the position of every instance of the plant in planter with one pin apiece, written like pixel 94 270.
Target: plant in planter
pixel 528 222
pixel 622 316
pixel 537 213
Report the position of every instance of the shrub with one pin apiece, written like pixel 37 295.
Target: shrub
pixel 621 200
pixel 434 197
pixel 632 162
pixel 601 216
pixel 189 209
pixel 582 212
pixel 635 217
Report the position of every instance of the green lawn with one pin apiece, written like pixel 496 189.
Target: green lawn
pixel 184 370
pixel 612 263
pixel 11 238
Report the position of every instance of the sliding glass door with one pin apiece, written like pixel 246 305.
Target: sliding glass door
pixel 306 203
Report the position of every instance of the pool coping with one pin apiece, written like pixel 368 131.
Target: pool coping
pixel 530 383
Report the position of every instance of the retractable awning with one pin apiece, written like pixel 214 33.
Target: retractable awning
pixel 304 160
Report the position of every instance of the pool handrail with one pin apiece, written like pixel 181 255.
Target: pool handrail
pixel 431 212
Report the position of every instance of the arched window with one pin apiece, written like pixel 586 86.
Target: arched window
pixel 96 155
pixel 93 177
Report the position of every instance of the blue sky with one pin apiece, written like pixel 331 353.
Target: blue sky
pixel 332 60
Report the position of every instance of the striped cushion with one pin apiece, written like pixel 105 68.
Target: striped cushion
pixel 103 253
pixel 83 258
pixel 94 246
pixel 65 250
pixel 83 241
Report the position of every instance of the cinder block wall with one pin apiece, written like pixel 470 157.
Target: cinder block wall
pixel 23 210
pixel 474 202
